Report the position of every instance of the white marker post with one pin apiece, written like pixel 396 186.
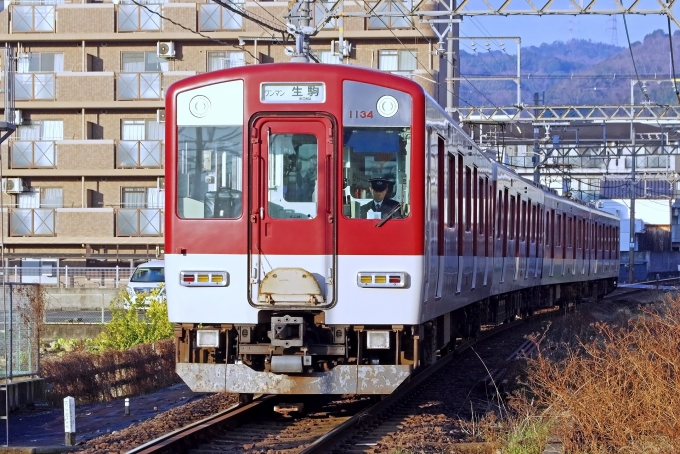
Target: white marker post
pixel 70 421
pixel 127 406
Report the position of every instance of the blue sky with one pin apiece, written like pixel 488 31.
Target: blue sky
pixel 535 30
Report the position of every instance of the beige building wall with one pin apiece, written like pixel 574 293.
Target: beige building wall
pixel 86 98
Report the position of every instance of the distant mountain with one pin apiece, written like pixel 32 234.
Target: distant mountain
pixel 575 72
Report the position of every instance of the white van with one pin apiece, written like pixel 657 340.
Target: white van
pixel 147 277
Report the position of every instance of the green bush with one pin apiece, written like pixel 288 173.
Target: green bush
pixel 133 322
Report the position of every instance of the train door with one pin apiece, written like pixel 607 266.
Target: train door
pixel 291 256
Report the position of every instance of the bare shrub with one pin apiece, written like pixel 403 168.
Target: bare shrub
pixel 613 387
pixel 112 374
pixel 30 303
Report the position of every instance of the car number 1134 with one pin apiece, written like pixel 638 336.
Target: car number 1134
pixel 360 114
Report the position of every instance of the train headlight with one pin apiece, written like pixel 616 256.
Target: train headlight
pixel 381 279
pixel 204 278
pixel 208 338
pixel 378 339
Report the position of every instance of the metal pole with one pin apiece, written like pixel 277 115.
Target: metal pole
pixel 341 31
pixel 537 148
pixel 449 68
pixel 631 249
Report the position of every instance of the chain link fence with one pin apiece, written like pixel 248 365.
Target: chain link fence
pixel 68 276
pixel 21 315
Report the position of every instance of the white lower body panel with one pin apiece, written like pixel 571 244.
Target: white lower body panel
pixel 353 305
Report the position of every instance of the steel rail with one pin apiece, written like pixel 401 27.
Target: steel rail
pixel 326 442
pixel 179 440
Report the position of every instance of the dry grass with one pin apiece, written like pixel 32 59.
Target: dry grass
pixel 614 385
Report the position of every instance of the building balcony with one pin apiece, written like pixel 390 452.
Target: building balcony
pixel 33 154
pixel 92 89
pixel 32 222
pixel 95 158
pixel 137 154
pixel 139 222
pixel 87 225
pixel 107 20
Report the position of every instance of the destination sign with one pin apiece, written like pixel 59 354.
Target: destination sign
pixel 314 92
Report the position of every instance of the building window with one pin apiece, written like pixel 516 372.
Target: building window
pixel 142 130
pixel 40 62
pixel 137 62
pixel 397 60
pixel 41 198
pixel 224 60
pixel 41 130
pixel 136 198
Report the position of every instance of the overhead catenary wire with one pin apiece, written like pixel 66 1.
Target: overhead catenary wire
pixel 632 57
pixel 670 43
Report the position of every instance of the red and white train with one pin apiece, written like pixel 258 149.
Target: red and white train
pixel 285 276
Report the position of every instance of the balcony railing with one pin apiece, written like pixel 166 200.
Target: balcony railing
pixel 32 222
pixel 134 18
pixel 139 222
pixel 139 86
pixel 213 17
pixel 33 154
pixel 139 154
pixel 34 86
pixel 33 18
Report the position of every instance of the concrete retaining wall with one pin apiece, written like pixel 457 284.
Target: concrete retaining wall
pixel 22 392
pixel 79 299
pixel 54 331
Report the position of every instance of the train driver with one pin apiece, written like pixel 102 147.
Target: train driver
pixel 381 206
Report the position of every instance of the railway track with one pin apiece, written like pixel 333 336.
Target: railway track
pixel 325 422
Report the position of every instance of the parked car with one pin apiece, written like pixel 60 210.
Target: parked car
pixel 146 278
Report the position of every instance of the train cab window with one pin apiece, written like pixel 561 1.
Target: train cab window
pixel 376 172
pixel 210 172
pixel 293 173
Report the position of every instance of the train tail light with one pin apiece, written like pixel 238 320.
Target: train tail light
pixel 381 279
pixel 204 278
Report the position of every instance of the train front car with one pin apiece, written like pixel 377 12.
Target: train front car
pixel 294 228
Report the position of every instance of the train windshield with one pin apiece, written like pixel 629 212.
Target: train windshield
pixel 292 176
pixel 376 171
pixel 209 172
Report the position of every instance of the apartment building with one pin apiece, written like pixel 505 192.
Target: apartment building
pixel 83 173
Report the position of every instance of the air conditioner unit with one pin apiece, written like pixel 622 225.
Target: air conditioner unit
pixel 12 185
pixel 165 49
pixel 18 117
pixel 161 183
pixel 346 48
pixel 160 116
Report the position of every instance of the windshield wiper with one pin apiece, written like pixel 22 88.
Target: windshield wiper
pixel 389 215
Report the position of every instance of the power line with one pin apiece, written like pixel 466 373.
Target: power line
pixel 670 42
pixel 630 48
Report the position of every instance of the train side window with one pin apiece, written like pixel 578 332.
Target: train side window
pixel 558 230
pixel 452 191
pixel 511 223
pixel 376 172
pixel 210 172
pixel 293 171
pixel 468 199
pixel 460 199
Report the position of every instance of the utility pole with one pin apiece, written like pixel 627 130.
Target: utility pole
pixel 302 32
pixel 537 148
pixel 631 248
